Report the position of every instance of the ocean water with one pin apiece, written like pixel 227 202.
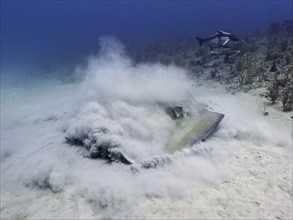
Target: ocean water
pixel 42 35
pixel 65 71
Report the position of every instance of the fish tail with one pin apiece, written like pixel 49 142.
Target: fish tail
pixel 211 47
pixel 200 40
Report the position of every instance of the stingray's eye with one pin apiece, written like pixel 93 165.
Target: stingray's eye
pixel 175 112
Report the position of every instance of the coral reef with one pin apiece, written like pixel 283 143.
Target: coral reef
pixel 264 61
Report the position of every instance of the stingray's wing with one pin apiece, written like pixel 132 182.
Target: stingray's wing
pixel 194 131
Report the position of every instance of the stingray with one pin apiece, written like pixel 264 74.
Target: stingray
pixel 194 124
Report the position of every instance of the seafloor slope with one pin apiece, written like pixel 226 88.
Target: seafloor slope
pixel 260 184
pixel 243 171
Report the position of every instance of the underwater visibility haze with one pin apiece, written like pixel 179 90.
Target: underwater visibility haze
pixel 129 109
pixel 43 34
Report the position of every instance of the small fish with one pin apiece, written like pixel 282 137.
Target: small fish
pixel 220 38
pixel 223 47
pixel 226 53
pixel 215 57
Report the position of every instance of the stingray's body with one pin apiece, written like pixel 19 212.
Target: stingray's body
pixel 193 125
pixel 193 128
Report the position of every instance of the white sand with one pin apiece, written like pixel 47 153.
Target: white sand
pixel 246 171
pixel 260 186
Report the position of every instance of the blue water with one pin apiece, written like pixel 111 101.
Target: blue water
pixel 43 34
pixel 114 101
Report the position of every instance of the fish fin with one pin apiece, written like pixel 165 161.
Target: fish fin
pixel 200 40
pixel 220 32
pixel 225 42
pixel 223 33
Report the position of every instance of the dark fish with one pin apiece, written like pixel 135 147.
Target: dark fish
pixel 225 47
pixel 221 38
pixel 226 53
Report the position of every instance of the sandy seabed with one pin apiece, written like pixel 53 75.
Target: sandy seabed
pixel 254 180
pixel 260 186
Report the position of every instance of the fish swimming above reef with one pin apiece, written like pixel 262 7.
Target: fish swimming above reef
pixel 219 47
pixel 221 38
pixel 221 44
pixel 194 124
pixel 226 53
pixel 215 56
